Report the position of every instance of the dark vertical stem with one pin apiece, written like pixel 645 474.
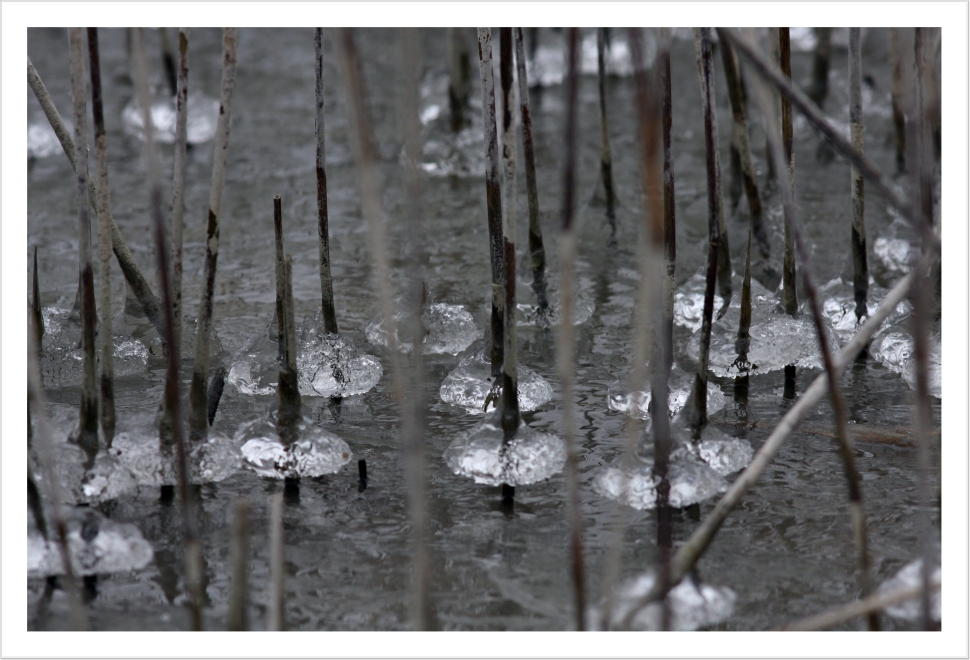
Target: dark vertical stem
pixel 566 340
pixel 137 282
pixel 239 565
pixel 922 186
pixel 323 226
pixel 289 393
pixel 172 402
pixel 670 220
pixel 36 316
pixel 510 385
pixel 649 110
pixel 103 206
pixel 276 612
pixel 168 59
pixel 819 88
pixel 860 267
pixel 742 145
pixel 899 117
pixel 459 78
pixel 280 275
pixel 853 479
pixel 87 437
pixel 706 68
pixel 198 394
pixel 178 185
pixel 493 198
pixel 536 249
pixel 789 296
pixel 606 158
pixel 743 343
pixel 413 423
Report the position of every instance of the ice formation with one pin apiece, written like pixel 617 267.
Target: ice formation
pixel 480 454
pixel 839 308
pixel 893 250
pixel 469 384
pixel 330 365
pixel 894 349
pixel 450 329
pixel 689 302
pixel 693 605
pixel 314 453
pixel 530 315
pixel 96 545
pixel 547 67
pixel 255 368
pixel 42 141
pixel 680 386
pixel 203 113
pixel 908 577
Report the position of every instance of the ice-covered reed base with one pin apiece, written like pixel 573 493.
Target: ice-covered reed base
pixel 450 329
pixel 331 365
pixel 96 546
pixel 203 113
pixel 528 314
pixel 909 577
pixel 680 385
pixel 839 308
pixel 481 454
pixel 314 453
pixel 469 384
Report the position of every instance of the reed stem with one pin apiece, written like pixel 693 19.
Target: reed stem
pixel 493 199
pixel 168 60
pixel 280 275
pixel 413 422
pixel 198 394
pixel 693 549
pixel 288 389
pixel 536 249
pixel 323 215
pixel 137 282
pixel 789 294
pixel 87 437
pixel 899 117
pixel 819 88
pixel 172 400
pixel 239 567
pixel 459 79
pixel 702 42
pixel 103 207
pixel 510 384
pixel 276 612
pixel 565 353
pixel 860 266
pixel 178 186
pixel 670 220
pixel 606 158
pixel 50 481
pixel 36 315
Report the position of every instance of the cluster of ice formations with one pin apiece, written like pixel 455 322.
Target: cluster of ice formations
pixel 327 365
pixel 203 113
pixel 680 386
pixel 531 315
pixel 689 302
pixel 692 605
pixel 42 141
pixel 62 360
pixel 314 453
pixel 909 577
pixel 839 308
pixel 894 248
pixel 481 454
pixel 894 349
pixel 96 545
pixel 211 461
pixel 450 329
pixel 469 384
pixel 776 339
pixel 696 471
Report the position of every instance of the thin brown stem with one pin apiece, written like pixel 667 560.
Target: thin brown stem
pixel 860 266
pixel 288 390
pixel 819 88
pixel 323 213
pixel 510 379
pixel 606 158
pixel 789 295
pixel 178 185
pixel 899 117
pixel 459 78
pixel 198 390
pixel 670 221
pixel 276 612
pixel 239 567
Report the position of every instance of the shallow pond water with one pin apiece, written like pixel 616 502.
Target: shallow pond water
pixel 786 551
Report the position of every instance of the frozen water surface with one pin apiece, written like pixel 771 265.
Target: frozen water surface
pixel 315 453
pixel 693 605
pixel 200 123
pixel 909 577
pixel 469 384
pixel 97 545
pixel 680 386
pixel 480 454
pixel 450 329
pixel 839 308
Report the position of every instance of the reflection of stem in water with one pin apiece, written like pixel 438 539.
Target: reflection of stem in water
pixel 103 206
pixel 566 333
pixel 193 550
pixel 323 215
pixel 198 397
pixel 87 435
pixel 536 249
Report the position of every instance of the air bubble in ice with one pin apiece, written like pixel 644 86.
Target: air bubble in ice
pixel 203 113
pixel 315 452
pixel 692 605
pixel 97 545
pixel 469 384
pixel 450 329
pixel 480 454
